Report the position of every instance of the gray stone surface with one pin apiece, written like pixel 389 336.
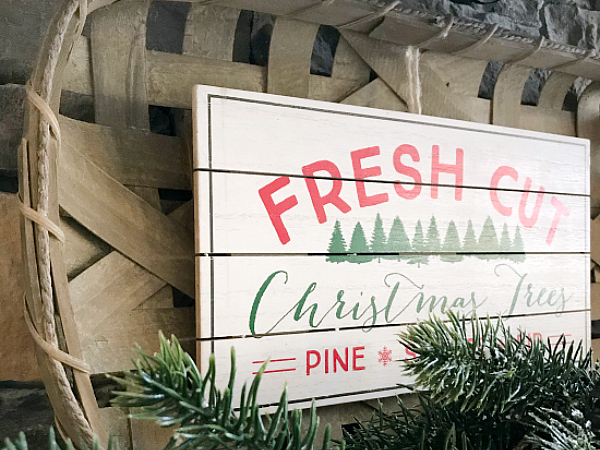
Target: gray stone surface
pixel 573 22
pixel 23 24
pixel 12 97
pixel 166 25
pixel 25 407
pixel 77 106
pixel 520 16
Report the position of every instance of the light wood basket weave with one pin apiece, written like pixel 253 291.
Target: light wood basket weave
pixel 102 256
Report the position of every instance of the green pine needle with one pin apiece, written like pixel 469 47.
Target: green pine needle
pixel 21 443
pixel 481 387
pixel 556 431
pixel 479 365
pixel 169 389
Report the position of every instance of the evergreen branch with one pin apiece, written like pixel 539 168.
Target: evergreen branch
pixel 430 426
pixel 170 390
pixel 21 443
pixel 480 366
pixel 555 431
pixel 484 388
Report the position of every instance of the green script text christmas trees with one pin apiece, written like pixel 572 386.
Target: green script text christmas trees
pixel 470 242
pixel 433 244
pixel 488 241
pixel 518 248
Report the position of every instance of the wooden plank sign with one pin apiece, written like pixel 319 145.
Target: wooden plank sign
pixel 323 230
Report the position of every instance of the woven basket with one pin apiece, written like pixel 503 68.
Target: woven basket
pixel 107 233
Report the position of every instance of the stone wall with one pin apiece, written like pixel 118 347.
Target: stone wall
pixel 24 406
pixel 573 22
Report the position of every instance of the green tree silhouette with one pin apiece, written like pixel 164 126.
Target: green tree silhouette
pixel 358 244
pixel 418 246
pixel 470 242
pixel 505 245
pixel 398 241
pixel 518 248
pixel 337 245
pixel 451 245
pixel 488 240
pixel 432 242
pixel 378 240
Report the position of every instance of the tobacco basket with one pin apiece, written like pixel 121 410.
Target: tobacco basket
pixel 107 228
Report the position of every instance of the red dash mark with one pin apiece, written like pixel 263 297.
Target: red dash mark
pixel 559 336
pixel 274 360
pixel 273 371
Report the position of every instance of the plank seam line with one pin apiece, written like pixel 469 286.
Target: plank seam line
pixel 317 254
pixel 367 180
pixel 387 325
pixel 414 119
pixel 344 394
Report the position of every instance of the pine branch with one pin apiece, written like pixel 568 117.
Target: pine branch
pixel 430 426
pixel 483 388
pixel 170 390
pixel 480 366
pixel 21 443
pixel 555 431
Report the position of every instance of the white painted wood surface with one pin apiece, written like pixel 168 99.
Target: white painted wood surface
pixel 291 355
pixel 280 294
pixel 503 216
pixel 237 220
pixel 280 135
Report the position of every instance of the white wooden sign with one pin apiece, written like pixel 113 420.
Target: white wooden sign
pixel 322 230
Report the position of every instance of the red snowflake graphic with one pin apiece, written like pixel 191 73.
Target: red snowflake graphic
pixel 385 356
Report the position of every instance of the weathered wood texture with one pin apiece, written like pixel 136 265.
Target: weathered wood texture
pixel 111 302
pixel 147 435
pixel 125 221
pixel 16 352
pixel 117 422
pixel 378 338
pixel 46 282
pixel 132 157
pixel 119 240
pixel 119 36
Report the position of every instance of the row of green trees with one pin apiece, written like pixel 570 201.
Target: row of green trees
pixel 397 246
